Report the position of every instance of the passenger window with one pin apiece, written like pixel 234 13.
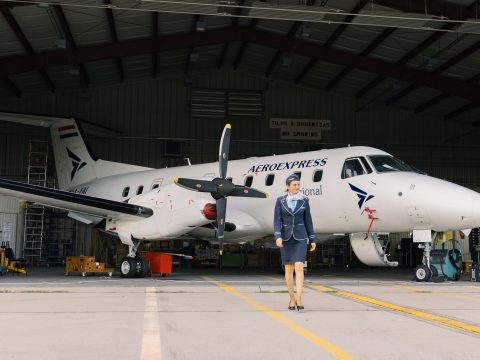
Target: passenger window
pixel 317 175
pixel 126 191
pixel 155 186
pixel 269 179
pixel 140 190
pixel 352 167
pixel 366 165
pixel 249 181
pixel 299 174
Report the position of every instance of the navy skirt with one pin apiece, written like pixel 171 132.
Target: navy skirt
pixel 293 251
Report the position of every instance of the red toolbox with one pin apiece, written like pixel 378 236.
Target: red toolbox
pixel 158 263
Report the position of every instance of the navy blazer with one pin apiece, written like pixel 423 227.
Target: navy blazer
pixel 297 223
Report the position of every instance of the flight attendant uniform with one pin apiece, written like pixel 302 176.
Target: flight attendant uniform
pixel 293 223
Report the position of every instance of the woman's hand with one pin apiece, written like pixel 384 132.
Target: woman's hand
pixel 279 242
pixel 313 246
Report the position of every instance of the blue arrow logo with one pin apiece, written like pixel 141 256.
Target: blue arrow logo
pixel 363 197
pixel 76 162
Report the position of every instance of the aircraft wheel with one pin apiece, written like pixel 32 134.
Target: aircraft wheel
pixel 422 273
pixel 127 267
pixel 141 267
pixel 434 271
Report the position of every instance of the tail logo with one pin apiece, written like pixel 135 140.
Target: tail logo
pixel 363 197
pixel 76 162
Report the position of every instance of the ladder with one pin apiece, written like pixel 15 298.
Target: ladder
pixel 35 214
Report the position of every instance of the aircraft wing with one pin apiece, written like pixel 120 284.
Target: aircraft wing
pixel 75 202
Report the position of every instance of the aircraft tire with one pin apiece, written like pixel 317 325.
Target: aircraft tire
pixel 434 271
pixel 422 273
pixel 127 267
pixel 141 267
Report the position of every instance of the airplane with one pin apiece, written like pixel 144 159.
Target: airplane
pixel 361 191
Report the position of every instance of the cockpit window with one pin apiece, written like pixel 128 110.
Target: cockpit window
pixel 387 163
pixel 352 167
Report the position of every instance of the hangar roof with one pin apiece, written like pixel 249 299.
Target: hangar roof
pixel 418 55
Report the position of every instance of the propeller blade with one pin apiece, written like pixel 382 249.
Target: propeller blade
pixel 221 212
pixel 224 150
pixel 196 185
pixel 245 191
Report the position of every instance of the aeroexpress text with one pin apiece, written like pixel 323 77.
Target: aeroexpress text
pixel 289 165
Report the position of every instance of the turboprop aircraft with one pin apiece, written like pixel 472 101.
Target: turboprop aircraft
pixel 361 191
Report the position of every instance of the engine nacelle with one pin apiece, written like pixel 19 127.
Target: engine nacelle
pixel 176 211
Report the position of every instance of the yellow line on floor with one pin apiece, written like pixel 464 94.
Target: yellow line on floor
pixel 337 352
pixel 416 313
pixel 151 345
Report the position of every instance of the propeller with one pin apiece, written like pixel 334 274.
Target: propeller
pixel 220 188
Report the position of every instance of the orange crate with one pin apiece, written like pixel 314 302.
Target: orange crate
pixel 159 263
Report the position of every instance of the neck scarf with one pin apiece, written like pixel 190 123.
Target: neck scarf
pixel 292 200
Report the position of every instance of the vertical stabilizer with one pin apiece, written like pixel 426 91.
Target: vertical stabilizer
pixel 74 163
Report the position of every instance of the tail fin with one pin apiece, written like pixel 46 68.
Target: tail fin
pixel 74 161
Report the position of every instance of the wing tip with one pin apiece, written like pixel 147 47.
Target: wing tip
pixel 228 126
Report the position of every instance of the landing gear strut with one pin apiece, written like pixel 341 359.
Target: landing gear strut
pixel 133 265
pixel 425 271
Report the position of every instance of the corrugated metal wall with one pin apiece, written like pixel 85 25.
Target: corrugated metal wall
pixel 148 111
pixel 11 222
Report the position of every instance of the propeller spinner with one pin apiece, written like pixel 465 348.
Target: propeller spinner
pixel 220 188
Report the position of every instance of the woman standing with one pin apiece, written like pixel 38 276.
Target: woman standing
pixel 293 228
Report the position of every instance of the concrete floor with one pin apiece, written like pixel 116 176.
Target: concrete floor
pixel 210 314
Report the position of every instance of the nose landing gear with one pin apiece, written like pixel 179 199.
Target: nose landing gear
pixel 133 265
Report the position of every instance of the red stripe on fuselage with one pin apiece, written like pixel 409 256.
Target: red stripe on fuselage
pixel 68 127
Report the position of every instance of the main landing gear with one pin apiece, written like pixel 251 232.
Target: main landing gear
pixel 133 265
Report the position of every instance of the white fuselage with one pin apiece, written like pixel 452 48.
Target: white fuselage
pixel 402 201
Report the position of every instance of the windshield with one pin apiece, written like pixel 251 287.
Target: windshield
pixel 386 163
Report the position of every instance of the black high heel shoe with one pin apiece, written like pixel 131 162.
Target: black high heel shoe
pixel 291 307
pixel 300 307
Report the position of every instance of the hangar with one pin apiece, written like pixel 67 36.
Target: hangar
pixel 153 84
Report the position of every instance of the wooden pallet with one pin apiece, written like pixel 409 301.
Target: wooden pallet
pixel 85 265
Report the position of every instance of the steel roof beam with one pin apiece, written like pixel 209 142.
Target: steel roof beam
pixel 474 79
pixel 19 64
pixel 455 113
pixel 451 62
pixel 372 46
pixel 407 57
pixel 240 52
pixel 291 33
pixel 12 87
pixel 438 8
pixel 227 45
pixel 26 45
pixel 331 40
pixel 113 35
pixel 70 41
